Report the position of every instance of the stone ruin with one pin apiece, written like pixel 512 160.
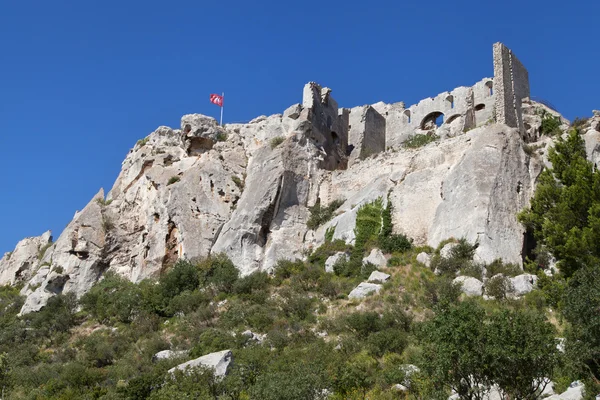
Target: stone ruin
pixel 349 135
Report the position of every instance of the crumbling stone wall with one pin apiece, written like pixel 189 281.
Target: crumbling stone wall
pixel 511 85
pixel 329 124
pixel 366 135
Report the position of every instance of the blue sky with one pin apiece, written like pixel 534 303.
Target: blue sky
pixel 82 81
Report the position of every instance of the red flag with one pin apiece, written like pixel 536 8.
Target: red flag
pixel 216 99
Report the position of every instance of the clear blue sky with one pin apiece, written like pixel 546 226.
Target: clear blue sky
pixel 82 81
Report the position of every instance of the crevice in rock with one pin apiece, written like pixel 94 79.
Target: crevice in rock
pixel 198 146
pixel 171 251
pixel 268 215
pixel 57 284
pixel 147 165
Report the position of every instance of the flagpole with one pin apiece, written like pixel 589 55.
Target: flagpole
pixel 222 106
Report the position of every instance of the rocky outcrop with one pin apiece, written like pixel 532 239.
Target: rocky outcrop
pixel 245 190
pixel 219 362
pixel 19 265
pixel 363 290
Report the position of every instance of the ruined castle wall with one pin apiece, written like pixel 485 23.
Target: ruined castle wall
pixel 329 127
pixel 511 85
pixel 457 106
pixel 366 135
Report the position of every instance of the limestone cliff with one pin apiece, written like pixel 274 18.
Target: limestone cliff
pixel 245 189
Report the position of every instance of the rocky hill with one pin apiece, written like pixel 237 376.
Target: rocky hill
pixel 331 249
pixel 246 189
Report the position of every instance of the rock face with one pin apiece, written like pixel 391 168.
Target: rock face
pixel 245 190
pixel 17 266
pixel 168 354
pixel 332 260
pixel 218 361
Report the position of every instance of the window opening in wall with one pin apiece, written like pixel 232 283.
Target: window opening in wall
pixel 452 118
pixel 450 101
pixel 407 113
pixel 490 88
pixel 479 107
pixel 432 120
pixel 336 139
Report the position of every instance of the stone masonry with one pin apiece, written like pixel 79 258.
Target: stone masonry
pixel 511 82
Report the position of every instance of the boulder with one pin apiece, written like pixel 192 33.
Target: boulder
pixel 168 354
pixel 446 251
pixel 376 258
pixel 363 290
pixel 377 276
pixel 469 285
pixel 255 337
pixel 218 361
pixel 523 284
pixel 574 392
pixel 424 259
pixel 332 260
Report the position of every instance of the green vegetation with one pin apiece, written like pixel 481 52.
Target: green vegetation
pixel 319 215
pixel 564 216
pixel 238 182
pixel 276 141
pixel 420 140
pixel 173 179
pixel 316 339
pixel 42 250
pixel 550 124
pixel 142 142
pixel 103 202
pixel 221 137
pixel 468 349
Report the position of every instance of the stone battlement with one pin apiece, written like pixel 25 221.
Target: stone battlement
pixel 348 135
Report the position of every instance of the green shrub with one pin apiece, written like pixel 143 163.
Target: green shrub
pixel 420 140
pixel 173 179
pixel 368 226
pixel 472 269
pixel 388 241
pixel 326 250
pixel 499 287
pixel 461 258
pixel 42 250
pixel 276 141
pixel 238 182
pixel 550 124
pixel 221 137
pixel 218 272
pixel 212 340
pixel 113 299
pixel 498 267
pixel 329 233
pixel 319 215
pixel 181 277
pixel 142 142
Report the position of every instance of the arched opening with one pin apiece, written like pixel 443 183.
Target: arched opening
pixel 450 101
pixel 432 120
pixel 452 118
pixel 336 138
pixel 480 107
pixel 407 115
pixel 490 88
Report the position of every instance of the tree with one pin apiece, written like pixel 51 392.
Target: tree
pixel 564 215
pixel 469 350
pixel 4 371
pixel 581 305
pixel 522 350
pixel 454 350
